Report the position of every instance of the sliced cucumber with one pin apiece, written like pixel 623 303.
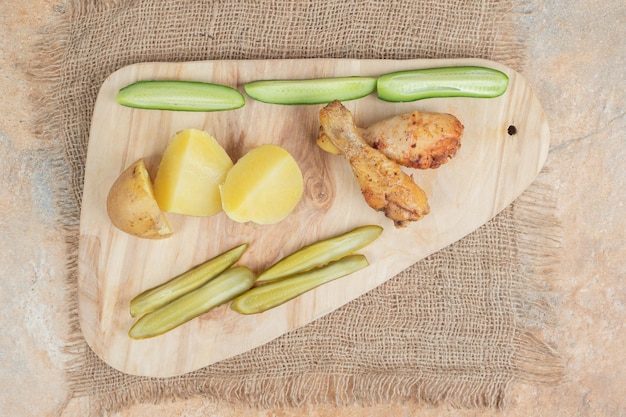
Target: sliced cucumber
pixel 311 91
pixel 267 296
pixel 463 81
pixel 180 96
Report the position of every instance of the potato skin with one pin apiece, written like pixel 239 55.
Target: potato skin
pixel 131 205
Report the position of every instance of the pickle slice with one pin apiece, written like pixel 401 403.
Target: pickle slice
pixel 156 297
pixel 265 297
pixel 322 252
pixel 225 287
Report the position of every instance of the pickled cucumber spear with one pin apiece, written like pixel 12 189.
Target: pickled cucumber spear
pixel 225 287
pixel 159 296
pixel 273 294
pixel 321 252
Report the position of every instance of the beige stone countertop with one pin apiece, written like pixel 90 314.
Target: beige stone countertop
pixel 577 67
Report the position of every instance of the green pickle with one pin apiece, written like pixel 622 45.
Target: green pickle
pixel 225 287
pixel 322 252
pixel 157 297
pixel 273 294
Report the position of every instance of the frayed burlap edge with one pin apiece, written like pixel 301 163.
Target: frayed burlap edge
pixel 535 362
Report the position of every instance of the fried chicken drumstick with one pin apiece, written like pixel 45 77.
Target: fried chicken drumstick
pixel 416 140
pixel 383 184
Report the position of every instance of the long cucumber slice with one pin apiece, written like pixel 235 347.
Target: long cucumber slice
pixel 310 91
pixel 265 297
pixel 180 96
pixel 462 81
pixel 321 253
pixel 184 283
pixel 228 285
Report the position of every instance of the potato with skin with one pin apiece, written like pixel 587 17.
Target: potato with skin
pixel 131 205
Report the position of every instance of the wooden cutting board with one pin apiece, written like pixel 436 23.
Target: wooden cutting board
pixel 491 169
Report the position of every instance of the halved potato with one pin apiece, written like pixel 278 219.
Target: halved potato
pixel 188 178
pixel 131 205
pixel 264 186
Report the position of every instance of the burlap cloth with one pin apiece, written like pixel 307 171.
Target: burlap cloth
pixel 459 327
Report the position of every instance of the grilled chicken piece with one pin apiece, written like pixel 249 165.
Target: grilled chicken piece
pixel 383 184
pixel 416 140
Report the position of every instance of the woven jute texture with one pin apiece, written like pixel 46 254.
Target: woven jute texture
pixel 459 327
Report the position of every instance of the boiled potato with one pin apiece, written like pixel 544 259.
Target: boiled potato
pixel 188 178
pixel 131 205
pixel 264 186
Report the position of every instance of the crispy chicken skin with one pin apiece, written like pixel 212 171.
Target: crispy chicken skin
pixel 416 140
pixel 383 184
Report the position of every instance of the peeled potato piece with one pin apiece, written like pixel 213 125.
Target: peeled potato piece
pixel 192 167
pixel 264 186
pixel 131 205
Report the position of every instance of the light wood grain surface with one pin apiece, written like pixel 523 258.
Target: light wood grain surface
pixel 491 169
